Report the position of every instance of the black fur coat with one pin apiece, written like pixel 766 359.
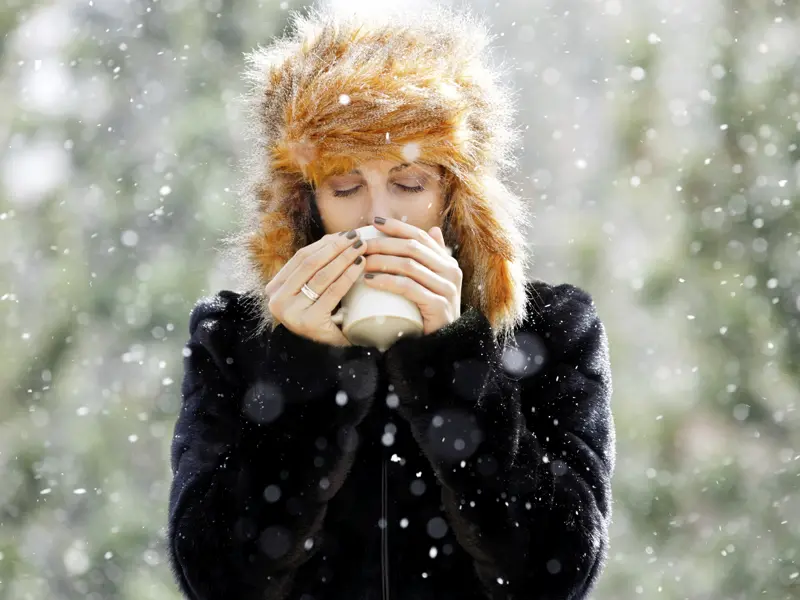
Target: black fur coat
pixel 441 469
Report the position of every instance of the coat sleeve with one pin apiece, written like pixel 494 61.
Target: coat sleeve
pixel 525 459
pixel 255 462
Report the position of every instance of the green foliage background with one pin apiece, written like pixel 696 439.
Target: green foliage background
pixel 661 156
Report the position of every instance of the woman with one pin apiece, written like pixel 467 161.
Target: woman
pixel 471 462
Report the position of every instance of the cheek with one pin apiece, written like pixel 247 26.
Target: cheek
pixel 423 210
pixel 339 213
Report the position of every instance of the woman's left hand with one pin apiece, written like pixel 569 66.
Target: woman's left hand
pixel 417 265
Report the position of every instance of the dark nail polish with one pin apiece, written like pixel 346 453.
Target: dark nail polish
pixel 380 220
pixel 342 232
pixel 369 275
pixel 358 244
pixel 351 234
pixel 358 260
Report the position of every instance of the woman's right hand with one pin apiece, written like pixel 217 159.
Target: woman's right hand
pixel 330 266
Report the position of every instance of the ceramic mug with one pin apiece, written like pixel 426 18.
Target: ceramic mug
pixel 373 317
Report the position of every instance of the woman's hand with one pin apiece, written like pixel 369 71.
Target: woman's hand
pixel 419 267
pixel 329 267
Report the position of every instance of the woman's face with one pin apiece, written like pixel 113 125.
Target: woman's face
pixel 411 192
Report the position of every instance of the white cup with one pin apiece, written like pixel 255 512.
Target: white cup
pixel 373 317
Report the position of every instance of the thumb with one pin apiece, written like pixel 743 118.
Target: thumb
pixel 436 233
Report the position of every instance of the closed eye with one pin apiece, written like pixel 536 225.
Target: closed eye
pixel 342 193
pixel 415 189
pixel 351 191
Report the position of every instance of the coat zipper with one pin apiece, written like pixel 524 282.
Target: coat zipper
pixel 384 530
pixel 385 579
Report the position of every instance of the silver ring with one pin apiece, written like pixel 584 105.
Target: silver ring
pixel 310 294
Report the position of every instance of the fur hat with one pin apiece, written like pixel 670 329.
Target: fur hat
pixel 343 88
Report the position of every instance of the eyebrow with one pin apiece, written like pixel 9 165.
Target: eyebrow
pixel 392 170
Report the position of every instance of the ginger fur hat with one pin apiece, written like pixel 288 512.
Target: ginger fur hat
pixel 341 88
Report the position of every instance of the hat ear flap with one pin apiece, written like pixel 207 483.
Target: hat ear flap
pixel 491 262
pixel 283 224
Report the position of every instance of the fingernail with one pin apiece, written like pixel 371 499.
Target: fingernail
pixel 369 275
pixel 380 220
pixel 342 232
pixel 358 259
pixel 351 234
pixel 358 244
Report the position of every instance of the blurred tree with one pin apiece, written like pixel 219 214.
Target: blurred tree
pixel 734 457
pixel 118 186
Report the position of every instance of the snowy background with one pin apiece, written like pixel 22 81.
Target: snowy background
pixel 661 156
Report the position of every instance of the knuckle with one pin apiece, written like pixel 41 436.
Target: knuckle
pixel 275 306
pixel 410 265
pixel 345 261
pixel 347 279
pixel 322 272
pixel 311 262
pixel 335 288
pixel 438 300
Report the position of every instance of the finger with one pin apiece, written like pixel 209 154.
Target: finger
pixel 291 265
pixel 409 267
pixel 425 299
pixel 313 262
pixel 432 258
pixel 436 234
pixel 331 272
pixel 335 291
pixel 401 229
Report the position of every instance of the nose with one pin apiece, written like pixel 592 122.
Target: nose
pixel 379 206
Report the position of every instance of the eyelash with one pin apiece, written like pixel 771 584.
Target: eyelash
pixel 405 188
